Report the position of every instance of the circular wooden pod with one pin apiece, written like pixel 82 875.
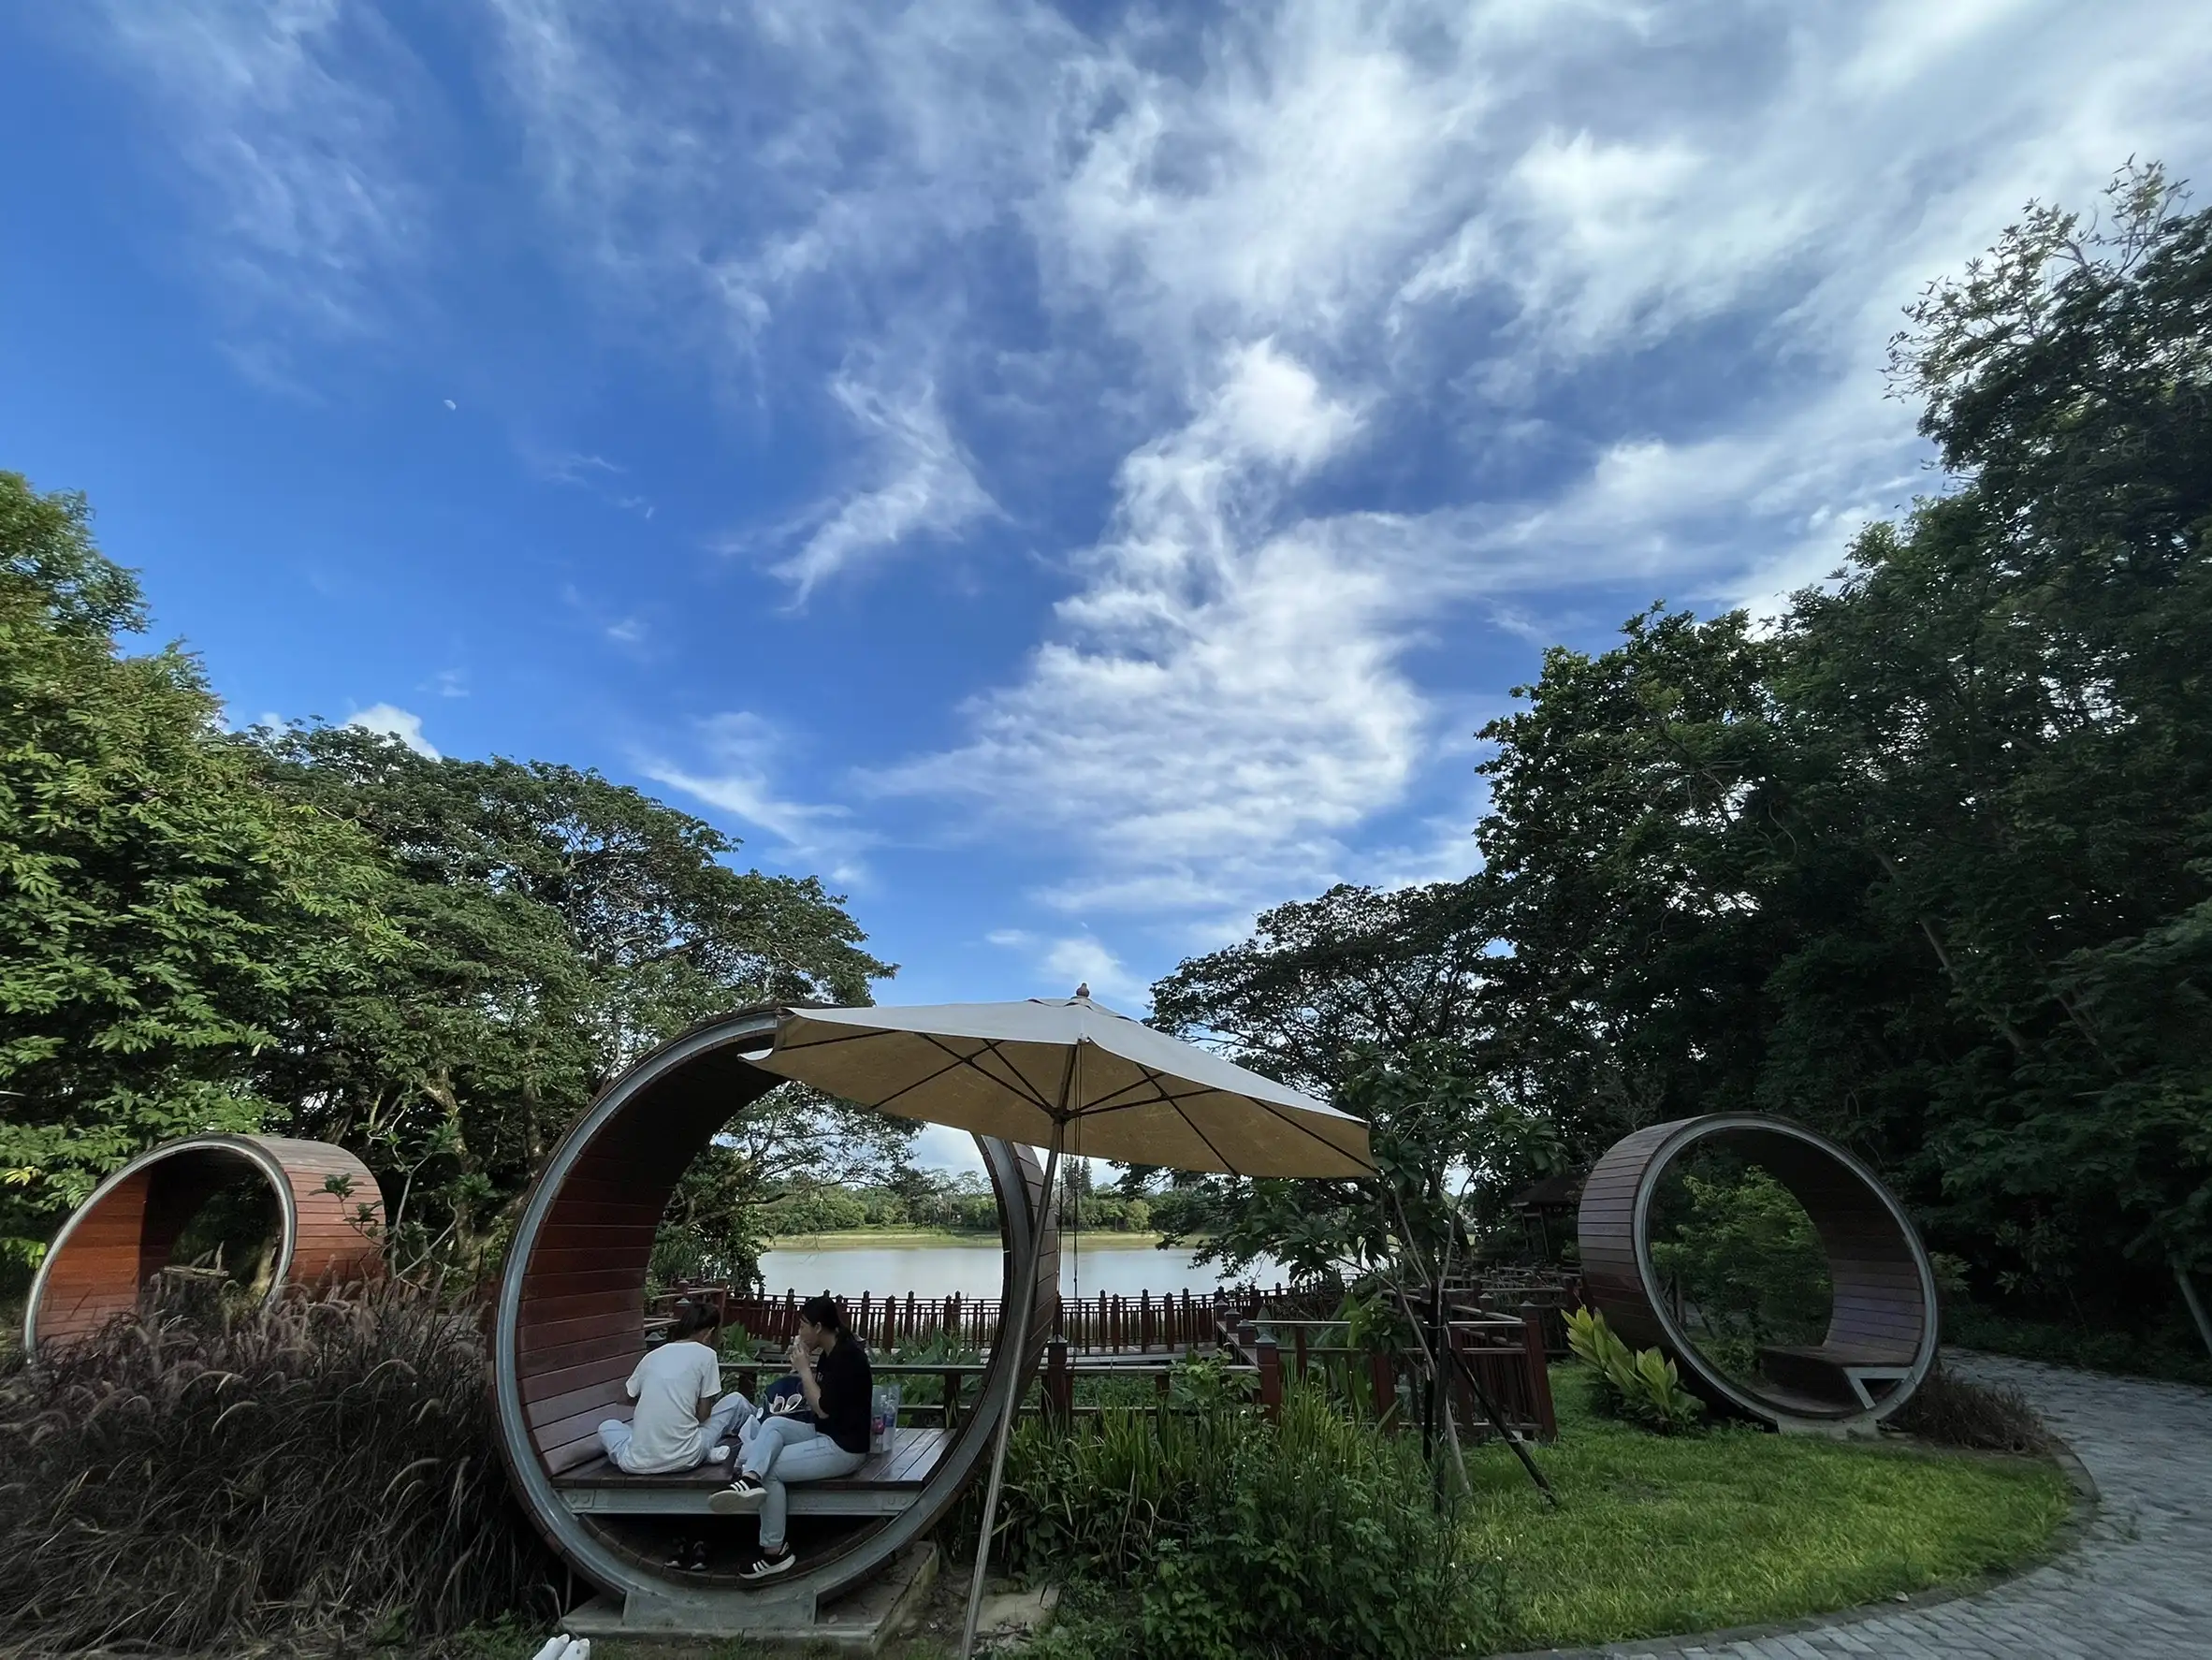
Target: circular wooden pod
pixel 1883 1325
pixel 121 1236
pixel 570 1328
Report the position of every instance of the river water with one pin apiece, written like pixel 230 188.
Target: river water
pixel 1102 1268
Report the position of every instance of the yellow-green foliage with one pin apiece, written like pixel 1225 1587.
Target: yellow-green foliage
pixel 1640 1385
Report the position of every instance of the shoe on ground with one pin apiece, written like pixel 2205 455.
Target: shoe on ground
pixel 742 1497
pixel 767 1566
pixel 680 1554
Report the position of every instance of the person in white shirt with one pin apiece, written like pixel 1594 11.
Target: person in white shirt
pixel 682 1418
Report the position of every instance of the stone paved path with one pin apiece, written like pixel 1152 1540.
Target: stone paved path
pixel 2138 1583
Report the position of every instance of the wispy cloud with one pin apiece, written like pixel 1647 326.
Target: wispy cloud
pixel 920 485
pixel 1308 336
pixel 1064 962
pixel 594 475
pixel 739 752
pixel 300 124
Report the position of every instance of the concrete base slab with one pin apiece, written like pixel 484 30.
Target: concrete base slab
pixel 859 1622
pixel 1016 1613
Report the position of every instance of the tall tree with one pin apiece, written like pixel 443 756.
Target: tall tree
pixel 162 912
pixel 559 924
pixel 1927 862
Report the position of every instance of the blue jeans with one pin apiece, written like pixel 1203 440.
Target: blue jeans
pixel 782 1452
pixel 614 1434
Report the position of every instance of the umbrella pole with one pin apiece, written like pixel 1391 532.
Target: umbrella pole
pixel 1027 1282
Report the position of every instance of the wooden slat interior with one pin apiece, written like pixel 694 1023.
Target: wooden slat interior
pixel 1878 1314
pixel 580 1328
pixel 130 1231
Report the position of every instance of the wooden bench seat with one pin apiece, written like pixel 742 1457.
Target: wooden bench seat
pixel 885 1485
pixel 1837 1371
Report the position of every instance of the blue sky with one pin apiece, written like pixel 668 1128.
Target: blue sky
pixel 1073 476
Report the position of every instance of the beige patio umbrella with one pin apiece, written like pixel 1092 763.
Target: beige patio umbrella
pixel 1068 1075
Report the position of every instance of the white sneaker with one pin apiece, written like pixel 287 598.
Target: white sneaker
pixel 719 1454
pixel 742 1497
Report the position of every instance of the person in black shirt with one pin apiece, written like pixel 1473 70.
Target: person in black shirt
pixel 839 1386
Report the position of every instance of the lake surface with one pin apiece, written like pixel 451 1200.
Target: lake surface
pixel 975 1270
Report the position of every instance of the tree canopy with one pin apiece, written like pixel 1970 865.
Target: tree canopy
pixel 1925 862
pixel 162 911
pixel 316 930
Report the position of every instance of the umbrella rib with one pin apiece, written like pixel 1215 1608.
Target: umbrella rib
pixel 1029 1090
pixel 910 1088
pixel 1302 1130
pixel 1160 1096
pixel 874 1031
pixel 1202 1136
pixel 1149 1076
pixel 1163 1096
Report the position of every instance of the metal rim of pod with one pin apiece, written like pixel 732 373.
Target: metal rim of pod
pixel 1883 1288
pixel 627 1152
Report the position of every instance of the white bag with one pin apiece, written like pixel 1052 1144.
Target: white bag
pixel 883 1418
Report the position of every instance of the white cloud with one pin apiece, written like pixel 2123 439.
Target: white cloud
pixel 297 120
pixel 1221 689
pixel 394 721
pixel 1361 322
pixel 741 749
pixel 924 486
pixel 1065 962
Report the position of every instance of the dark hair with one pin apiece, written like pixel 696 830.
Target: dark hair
pixel 822 1311
pixel 691 1319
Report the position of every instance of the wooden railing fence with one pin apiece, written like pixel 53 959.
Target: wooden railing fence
pixel 1269 1336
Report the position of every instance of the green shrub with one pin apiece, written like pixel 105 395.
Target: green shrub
pixel 302 1475
pixel 1643 1387
pixel 1746 1260
pixel 1223 1535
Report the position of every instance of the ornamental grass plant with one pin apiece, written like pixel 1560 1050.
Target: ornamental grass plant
pixel 1215 1532
pixel 305 1474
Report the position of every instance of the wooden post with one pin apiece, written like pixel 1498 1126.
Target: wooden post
pixel 1298 1349
pixel 1059 1383
pixel 1143 1322
pixel 1270 1377
pixel 1539 1374
pixel 1382 1378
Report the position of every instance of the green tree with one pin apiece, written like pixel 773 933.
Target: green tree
pixel 560 924
pixel 162 912
pixel 1927 863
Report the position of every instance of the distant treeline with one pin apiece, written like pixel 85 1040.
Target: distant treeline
pixel 963 1202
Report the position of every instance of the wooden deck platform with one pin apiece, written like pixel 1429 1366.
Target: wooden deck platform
pixel 887 1484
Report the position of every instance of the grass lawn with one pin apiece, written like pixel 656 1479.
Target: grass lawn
pixel 856 1238
pixel 1658 1536
pixel 1735 1527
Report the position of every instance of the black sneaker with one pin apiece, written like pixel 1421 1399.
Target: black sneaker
pixel 742 1497
pixel 765 1567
